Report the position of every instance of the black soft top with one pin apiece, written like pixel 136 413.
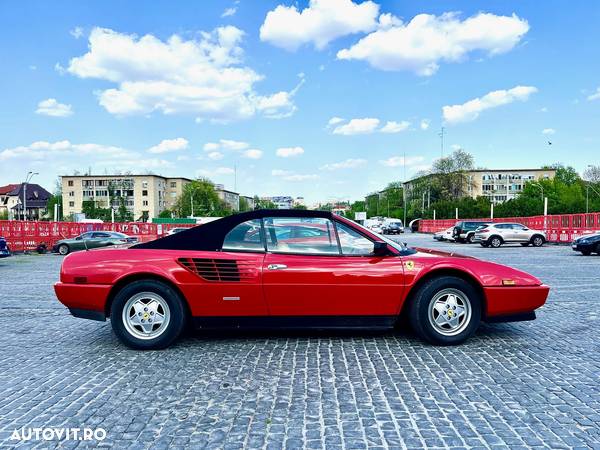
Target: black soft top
pixel 210 236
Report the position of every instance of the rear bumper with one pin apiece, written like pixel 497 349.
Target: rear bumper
pixel 87 301
pixel 513 300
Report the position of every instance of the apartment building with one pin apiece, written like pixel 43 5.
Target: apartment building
pixel 232 199
pixel 499 185
pixel 146 196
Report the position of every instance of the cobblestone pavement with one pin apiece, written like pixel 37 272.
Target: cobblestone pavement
pixel 528 384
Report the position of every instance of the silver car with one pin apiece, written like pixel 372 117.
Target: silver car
pixel 496 234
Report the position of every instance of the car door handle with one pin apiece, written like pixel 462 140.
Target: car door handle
pixel 276 266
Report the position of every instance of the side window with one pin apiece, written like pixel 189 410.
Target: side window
pixel 245 236
pixel 352 242
pixel 301 235
pixel 100 235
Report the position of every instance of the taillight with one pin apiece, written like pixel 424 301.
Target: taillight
pixel 485 230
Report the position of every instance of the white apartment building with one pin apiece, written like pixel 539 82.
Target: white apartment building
pixel 146 196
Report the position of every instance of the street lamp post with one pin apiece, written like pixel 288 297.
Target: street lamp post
pixel 27 180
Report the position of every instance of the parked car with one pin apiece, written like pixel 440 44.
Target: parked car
pixel 464 231
pixel 176 230
pixel 4 248
pixel 496 234
pixel 242 271
pixel 92 239
pixel 444 235
pixel 587 244
pixel 394 227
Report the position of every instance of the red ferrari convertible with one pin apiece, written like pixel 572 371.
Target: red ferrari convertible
pixel 287 268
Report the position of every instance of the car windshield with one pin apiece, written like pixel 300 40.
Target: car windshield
pixel 397 245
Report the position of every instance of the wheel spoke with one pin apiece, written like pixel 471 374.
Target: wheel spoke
pixel 147 327
pixel 441 320
pixel 158 318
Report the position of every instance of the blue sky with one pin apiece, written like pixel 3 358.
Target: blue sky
pixel 318 99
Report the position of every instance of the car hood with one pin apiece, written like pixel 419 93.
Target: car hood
pixel 427 252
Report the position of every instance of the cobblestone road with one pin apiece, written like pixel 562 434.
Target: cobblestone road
pixel 519 385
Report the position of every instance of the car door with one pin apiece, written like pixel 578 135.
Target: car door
pixel 98 239
pixel 520 233
pixel 230 281
pixel 314 276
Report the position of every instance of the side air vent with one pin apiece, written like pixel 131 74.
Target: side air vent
pixel 228 270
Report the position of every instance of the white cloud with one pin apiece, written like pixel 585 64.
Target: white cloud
pixel 76 32
pixel 169 145
pixel 334 121
pixel 548 131
pixel 350 163
pixel 427 40
pixel 395 127
pixel 288 152
pixel 215 156
pixel 300 177
pixel 280 172
pixel 318 24
pixel 225 144
pixel 425 124
pixel 278 105
pixel 470 110
pixel 252 153
pixel 365 125
pixel 224 171
pixel 595 95
pixel 398 161
pixel 229 12
pixel 203 77
pixel 357 126
pixel 51 107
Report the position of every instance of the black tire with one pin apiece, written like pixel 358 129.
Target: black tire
pixel 177 315
pixel 419 310
pixel 598 249
pixel 470 238
pixel 525 244
pixel 537 240
pixel 495 241
pixel 586 252
pixel 484 244
pixel 63 249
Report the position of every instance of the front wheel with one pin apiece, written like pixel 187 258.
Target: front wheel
pixel 445 310
pixel 147 315
pixel 586 252
pixel 537 241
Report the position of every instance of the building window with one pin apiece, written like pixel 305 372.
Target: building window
pixel 144 184
pixel 71 193
pixel 173 184
pixel 70 182
pixel 145 203
pixel 71 204
pixel 145 193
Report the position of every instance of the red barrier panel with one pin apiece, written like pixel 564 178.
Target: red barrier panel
pixel 560 228
pixel 27 235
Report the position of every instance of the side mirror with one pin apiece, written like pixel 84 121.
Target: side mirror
pixel 78 238
pixel 380 248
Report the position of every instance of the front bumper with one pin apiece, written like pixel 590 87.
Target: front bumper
pixel 513 300
pixel 579 247
pixel 84 300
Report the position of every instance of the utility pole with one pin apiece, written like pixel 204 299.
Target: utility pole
pixel 27 180
pixel 404 190
pixel 192 202
pixel 235 178
pixel 441 135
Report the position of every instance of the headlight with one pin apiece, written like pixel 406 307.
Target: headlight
pixel 583 241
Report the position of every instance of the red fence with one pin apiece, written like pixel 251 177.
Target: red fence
pixel 22 235
pixel 559 228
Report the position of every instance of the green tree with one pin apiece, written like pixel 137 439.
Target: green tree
pixel 263 203
pixel 165 214
pixel 200 195
pixel 244 205
pixel 303 207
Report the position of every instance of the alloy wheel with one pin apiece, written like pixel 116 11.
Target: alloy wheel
pixel 450 312
pixel 146 315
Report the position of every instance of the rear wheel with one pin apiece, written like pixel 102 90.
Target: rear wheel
pixel 470 238
pixel 445 310
pixel 495 241
pixel 63 249
pixel 147 315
